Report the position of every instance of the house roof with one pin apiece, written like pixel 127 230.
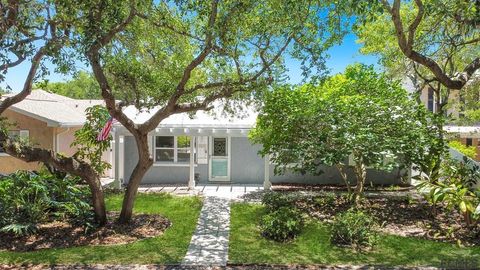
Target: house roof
pixel 55 110
pixel 215 118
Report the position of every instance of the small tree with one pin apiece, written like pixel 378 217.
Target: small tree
pixel 359 113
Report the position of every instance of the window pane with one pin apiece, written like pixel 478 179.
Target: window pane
pixel 183 141
pixel 219 147
pixel 164 155
pixel 183 155
pixel 164 141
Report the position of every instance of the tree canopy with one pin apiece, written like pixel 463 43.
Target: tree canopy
pixel 359 113
pixel 82 86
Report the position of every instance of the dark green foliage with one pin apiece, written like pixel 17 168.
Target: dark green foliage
pixel 276 200
pixel 28 199
pixel 354 228
pixel 282 224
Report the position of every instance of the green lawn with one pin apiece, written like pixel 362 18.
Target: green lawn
pixel 167 248
pixel 313 246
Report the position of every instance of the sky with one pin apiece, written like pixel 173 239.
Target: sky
pixel 340 56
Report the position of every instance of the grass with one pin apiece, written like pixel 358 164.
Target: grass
pixel 168 248
pixel 313 246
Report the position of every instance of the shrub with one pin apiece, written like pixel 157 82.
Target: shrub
pixel 469 151
pixel 276 200
pixel 282 224
pixel 28 199
pixel 354 228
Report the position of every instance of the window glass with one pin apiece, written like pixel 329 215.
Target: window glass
pixel 164 141
pixel 219 147
pixel 183 155
pixel 183 141
pixel 164 155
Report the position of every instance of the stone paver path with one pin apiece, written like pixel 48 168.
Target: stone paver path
pixel 209 244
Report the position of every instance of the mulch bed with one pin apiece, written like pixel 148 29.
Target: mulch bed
pixel 403 213
pixel 62 234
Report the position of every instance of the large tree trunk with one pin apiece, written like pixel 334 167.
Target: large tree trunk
pixel 144 163
pixel 361 173
pixel 64 164
pixel 98 199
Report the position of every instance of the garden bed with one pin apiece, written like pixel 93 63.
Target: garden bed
pixel 402 215
pixel 62 234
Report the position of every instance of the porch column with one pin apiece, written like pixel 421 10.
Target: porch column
pixel 191 180
pixel 267 185
pixel 116 157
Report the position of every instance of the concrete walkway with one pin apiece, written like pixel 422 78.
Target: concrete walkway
pixel 209 244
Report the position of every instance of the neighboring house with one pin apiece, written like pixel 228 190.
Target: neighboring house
pixel 467 135
pixel 49 121
pixel 204 148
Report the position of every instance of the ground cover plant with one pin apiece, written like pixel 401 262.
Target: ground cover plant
pixel 28 199
pixel 170 247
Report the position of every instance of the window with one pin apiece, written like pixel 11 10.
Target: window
pixel 14 134
pixel 469 142
pixel 175 149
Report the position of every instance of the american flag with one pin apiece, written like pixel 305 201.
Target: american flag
pixel 103 135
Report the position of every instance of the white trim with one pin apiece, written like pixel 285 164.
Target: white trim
pixel 169 164
pixel 191 180
pixel 2 154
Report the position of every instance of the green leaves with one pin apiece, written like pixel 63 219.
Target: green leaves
pixel 88 148
pixel 359 111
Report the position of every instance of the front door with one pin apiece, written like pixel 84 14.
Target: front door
pixel 219 159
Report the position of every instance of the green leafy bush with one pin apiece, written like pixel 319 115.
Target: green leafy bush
pixel 282 224
pixel 469 151
pixel 455 189
pixel 28 199
pixel 354 228
pixel 277 200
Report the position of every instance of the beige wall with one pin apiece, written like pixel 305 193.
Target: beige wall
pixel 40 135
pixel 52 138
pixel 64 139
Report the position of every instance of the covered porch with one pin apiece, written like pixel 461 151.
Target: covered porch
pixel 191 156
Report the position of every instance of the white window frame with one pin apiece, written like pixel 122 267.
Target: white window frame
pixel 175 150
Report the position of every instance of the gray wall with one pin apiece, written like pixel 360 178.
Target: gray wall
pixel 159 174
pixel 247 167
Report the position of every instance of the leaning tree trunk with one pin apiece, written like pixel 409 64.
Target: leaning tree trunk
pixel 98 199
pixel 361 173
pixel 144 163
pixel 64 164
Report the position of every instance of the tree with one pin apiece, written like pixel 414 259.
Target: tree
pixel 82 86
pixel 30 32
pixel 359 113
pixel 180 57
pixel 434 43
